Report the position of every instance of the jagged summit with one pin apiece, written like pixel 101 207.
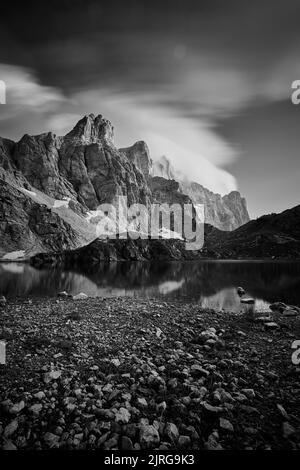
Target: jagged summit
pixel 92 129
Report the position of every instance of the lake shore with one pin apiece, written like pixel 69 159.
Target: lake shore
pixel 124 373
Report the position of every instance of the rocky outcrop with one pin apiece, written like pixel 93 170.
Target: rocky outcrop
pixel 139 154
pixel 167 191
pixel 29 226
pixel 226 213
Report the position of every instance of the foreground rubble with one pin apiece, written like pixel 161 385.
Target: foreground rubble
pixel 135 374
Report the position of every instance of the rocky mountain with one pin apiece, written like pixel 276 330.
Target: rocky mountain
pixel 52 186
pixel 270 236
pixel 226 213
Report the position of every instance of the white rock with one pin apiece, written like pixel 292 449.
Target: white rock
pixel 36 408
pixel 123 416
pixel 80 296
pixel 116 362
pixel 17 407
pixel 52 375
pixel 39 395
pixel 247 300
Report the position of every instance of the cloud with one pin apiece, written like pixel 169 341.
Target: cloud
pixel 25 95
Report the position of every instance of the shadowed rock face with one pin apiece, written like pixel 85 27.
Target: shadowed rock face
pixel 25 224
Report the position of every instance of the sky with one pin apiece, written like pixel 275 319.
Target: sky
pixel 205 83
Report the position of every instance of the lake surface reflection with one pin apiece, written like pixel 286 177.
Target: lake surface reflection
pixel 212 284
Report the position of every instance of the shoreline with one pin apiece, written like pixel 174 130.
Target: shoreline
pixel 219 260
pixel 125 373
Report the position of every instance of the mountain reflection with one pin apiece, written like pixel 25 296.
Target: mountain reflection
pixel 210 283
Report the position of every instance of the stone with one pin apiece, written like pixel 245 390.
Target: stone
pixel 80 296
pixel 2 301
pixel 196 369
pixel 149 436
pixel 63 294
pixel 226 425
pixel 126 443
pixel 247 300
pixel 184 442
pixel 52 375
pixel 241 291
pixel 9 445
pixel 278 306
pixel 212 442
pixel 291 312
pixel 51 440
pixel 171 432
pixel 17 408
pixel 282 411
pixel 116 362
pixel 36 408
pixel 142 403
pixel 249 392
pixel 122 416
pixel 210 408
pixel 161 407
pixel 288 430
pixel 271 325
pixel 11 428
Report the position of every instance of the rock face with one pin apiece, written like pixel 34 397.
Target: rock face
pixel 25 224
pixel 50 185
pixel 80 171
pixel 140 156
pixel 83 165
pixel 226 213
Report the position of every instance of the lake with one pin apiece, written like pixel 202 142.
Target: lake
pixel 212 284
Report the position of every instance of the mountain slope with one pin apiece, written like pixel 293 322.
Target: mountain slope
pixel 269 236
pixel 68 177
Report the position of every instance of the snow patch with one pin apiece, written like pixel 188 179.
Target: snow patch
pixel 30 193
pixel 61 202
pixel 13 255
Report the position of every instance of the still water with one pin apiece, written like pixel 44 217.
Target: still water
pixel 212 284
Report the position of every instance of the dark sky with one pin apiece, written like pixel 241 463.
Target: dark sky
pixel 206 83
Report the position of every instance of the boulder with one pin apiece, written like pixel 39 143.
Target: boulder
pixel 241 291
pixel 278 306
pixel 247 300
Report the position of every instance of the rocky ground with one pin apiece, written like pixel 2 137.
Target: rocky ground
pixel 133 374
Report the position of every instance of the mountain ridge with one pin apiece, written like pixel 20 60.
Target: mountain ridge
pixel 72 175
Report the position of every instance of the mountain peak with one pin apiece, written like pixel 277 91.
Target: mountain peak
pixel 92 129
